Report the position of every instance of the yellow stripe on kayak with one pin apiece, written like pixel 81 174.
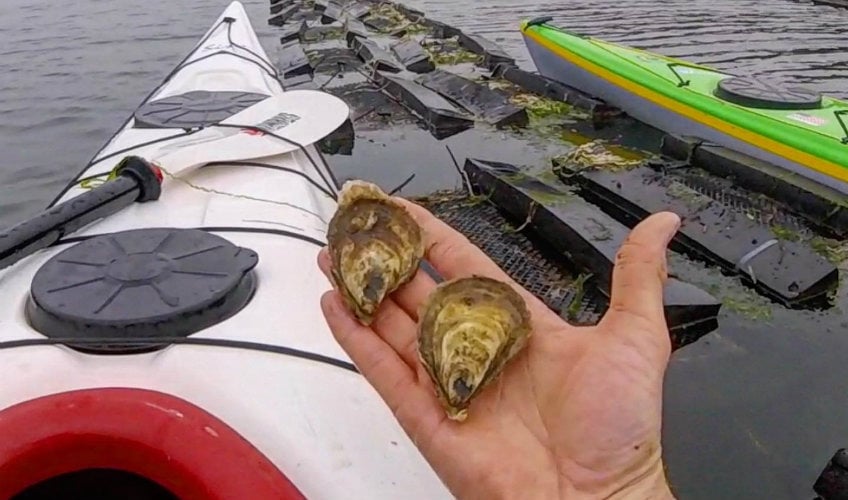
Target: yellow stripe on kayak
pixel 824 166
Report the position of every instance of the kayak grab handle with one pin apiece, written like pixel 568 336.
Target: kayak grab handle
pixel 136 180
pixel 540 21
pixel 839 114
pixel 546 20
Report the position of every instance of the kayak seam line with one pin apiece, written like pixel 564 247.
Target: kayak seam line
pixel 272 167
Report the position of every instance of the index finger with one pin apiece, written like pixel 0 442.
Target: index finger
pixel 454 256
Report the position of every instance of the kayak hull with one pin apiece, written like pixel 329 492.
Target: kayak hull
pixel 269 381
pixel 557 62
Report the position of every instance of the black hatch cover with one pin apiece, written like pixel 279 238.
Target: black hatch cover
pixel 195 109
pixel 755 93
pixel 146 283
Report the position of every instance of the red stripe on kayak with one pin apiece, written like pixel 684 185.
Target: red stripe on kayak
pixel 156 436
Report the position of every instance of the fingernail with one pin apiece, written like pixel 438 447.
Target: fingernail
pixel 673 227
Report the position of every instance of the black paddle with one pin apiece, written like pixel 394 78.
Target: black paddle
pixel 136 180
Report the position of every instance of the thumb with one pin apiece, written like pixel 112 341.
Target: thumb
pixel 638 279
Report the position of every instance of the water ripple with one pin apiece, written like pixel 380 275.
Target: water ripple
pixel 794 41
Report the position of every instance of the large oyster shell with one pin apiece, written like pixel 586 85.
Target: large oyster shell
pixel 469 329
pixel 375 246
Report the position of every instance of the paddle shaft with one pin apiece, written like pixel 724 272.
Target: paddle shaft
pixel 136 180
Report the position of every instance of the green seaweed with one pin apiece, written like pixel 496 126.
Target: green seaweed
pixel 784 233
pixel 542 107
pixel 549 199
pixel 396 20
pixel 459 197
pixel 451 57
pixel 834 251
pixel 740 300
pixel 414 28
pixel 387 11
pixel 320 34
pixel 594 155
pixel 749 309
pixel 579 286
pixel 448 52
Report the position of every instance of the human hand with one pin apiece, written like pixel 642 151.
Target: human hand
pixel 577 414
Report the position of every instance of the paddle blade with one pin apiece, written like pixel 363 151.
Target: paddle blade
pixel 301 117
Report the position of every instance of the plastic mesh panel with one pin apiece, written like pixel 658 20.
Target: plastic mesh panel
pixel 761 208
pixel 524 260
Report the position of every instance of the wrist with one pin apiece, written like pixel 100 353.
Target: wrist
pixel 653 486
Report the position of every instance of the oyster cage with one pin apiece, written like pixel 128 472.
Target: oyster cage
pixel 532 262
pixel 526 261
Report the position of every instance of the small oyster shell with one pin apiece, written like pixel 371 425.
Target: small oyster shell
pixel 375 246
pixel 469 329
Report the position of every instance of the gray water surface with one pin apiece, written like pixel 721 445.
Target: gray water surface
pixel 754 410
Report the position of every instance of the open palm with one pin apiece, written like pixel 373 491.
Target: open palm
pixel 578 412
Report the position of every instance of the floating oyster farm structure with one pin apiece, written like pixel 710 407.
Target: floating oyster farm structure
pixel 547 180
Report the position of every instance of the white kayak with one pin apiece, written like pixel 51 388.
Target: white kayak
pixel 247 394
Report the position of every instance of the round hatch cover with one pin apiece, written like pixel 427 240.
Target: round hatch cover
pixel 754 93
pixel 198 108
pixel 146 283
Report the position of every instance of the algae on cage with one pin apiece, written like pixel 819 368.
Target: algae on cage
pixel 594 155
pixel 741 301
pixel 395 19
pixel 784 233
pixel 748 308
pixel 447 52
pixel 542 107
pixel 833 250
pixel 579 286
pixel 324 34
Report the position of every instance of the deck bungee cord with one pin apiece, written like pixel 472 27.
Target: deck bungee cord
pixel 73 342
pixel 265 65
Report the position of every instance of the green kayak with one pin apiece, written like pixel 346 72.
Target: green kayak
pixel 799 130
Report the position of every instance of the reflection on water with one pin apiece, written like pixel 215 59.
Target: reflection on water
pixel 753 411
